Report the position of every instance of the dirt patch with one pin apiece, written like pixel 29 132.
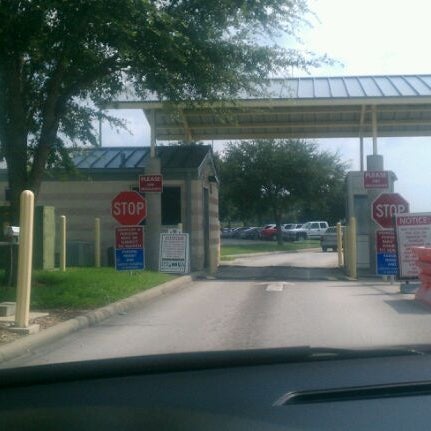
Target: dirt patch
pixel 54 317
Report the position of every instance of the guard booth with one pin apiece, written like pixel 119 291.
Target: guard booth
pixel 189 198
pixel 361 191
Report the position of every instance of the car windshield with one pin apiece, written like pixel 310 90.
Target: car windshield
pixel 184 176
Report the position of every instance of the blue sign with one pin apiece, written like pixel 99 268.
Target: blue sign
pixel 129 259
pixel 387 264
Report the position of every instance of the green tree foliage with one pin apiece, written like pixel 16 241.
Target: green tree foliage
pixel 60 59
pixel 281 178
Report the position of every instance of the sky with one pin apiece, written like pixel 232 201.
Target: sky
pixel 366 37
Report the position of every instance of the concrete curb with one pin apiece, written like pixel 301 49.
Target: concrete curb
pixel 26 344
pixel 264 253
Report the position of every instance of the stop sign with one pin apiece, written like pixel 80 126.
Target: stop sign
pixel 385 206
pixel 129 208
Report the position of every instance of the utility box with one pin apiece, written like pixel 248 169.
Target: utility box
pixel 79 253
pixel 5 248
pixel 359 199
pixel 43 241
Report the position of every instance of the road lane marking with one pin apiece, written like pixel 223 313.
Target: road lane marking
pixel 275 287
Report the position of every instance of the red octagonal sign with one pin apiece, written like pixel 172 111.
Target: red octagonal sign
pixel 129 208
pixel 385 206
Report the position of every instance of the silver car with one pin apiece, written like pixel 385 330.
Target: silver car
pixel 329 238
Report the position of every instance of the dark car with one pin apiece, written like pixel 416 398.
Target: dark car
pixel 238 231
pixel 251 233
pixel 225 232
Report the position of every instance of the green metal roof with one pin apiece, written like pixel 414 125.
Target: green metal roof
pixel 171 157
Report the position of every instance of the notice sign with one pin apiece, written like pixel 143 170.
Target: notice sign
pixel 174 253
pixel 150 183
pixel 386 252
pixel 413 230
pixel 376 179
pixel 129 248
pixel 129 237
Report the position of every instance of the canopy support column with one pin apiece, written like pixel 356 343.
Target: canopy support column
pixel 374 124
pixel 152 121
pixel 187 130
pixel 154 204
pixel 361 139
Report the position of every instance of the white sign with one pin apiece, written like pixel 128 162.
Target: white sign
pixel 412 230
pixel 174 253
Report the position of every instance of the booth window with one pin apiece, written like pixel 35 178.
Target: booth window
pixel 171 205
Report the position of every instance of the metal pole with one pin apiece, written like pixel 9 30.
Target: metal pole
pixel 62 243
pixel 100 130
pixel 25 258
pixel 153 134
pixel 97 242
pixel 154 203
pixel 361 152
pixel 361 138
pixel 374 123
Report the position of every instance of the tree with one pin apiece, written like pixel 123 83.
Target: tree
pixel 280 176
pixel 61 59
pixel 330 202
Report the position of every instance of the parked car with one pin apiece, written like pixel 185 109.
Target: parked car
pixel 225 232
pixel 287 228
pixel 329 238
pixel 269 232
pixel 309 230
pixel 251 233
pixel 237 232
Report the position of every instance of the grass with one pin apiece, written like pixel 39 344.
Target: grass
pixel 88 288
pixel 85 288
pixel 228 252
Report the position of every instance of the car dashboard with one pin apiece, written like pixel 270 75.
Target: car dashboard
pixel 273 389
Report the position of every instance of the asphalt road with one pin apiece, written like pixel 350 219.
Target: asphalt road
pixel 312 258
pixel 220 314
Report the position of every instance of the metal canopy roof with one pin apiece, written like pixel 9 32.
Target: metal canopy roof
pixel 319 107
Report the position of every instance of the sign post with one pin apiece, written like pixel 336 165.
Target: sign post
pixel 376 179
pixel 386 252
pixel 413 230
pixel 385 206
pixel 129 248
pixel 174 253
pixel 129 208
pixel 150 183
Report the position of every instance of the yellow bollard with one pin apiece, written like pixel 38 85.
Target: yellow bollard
pixel 352 250
pixel 62 243
pixel 340 245
pixel 25 258
pixel 97 242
